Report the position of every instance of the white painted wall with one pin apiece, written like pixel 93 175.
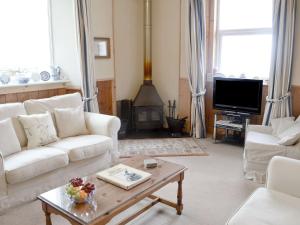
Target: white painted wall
pixel 64 40
pixel 296 56
pixel 166 48
pixel 128 36
pixel 102 26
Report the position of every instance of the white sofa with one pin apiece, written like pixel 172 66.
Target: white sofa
pixel 260 147
pixel 26 174
pixel 279 202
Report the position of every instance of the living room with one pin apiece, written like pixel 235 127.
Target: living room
pixel 193 103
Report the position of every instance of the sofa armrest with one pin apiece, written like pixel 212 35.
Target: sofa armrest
pixel 283 175
pixel 105 125
pixel 260 128
pixel 3 184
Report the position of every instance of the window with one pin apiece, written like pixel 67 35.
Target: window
pixel 24 39
pixel 244 37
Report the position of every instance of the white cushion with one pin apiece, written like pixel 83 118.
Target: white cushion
pixel 12 110
pixel 298 119
pixel 36 106
pixel 9 142
pixel 84 147
pixel 70 122
pixel 28 164
pixel 39 129
pixel 291 135
pixel 266 207
pixel 281 124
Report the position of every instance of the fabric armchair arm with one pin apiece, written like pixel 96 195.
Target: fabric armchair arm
pixel 105 125
pixel 283 175
pixel 3 184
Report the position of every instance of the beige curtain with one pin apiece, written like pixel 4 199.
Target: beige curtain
pixel 279 93
pixel 196 61
pixel 86 53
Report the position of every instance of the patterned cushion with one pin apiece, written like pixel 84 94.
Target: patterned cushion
pixel 39 129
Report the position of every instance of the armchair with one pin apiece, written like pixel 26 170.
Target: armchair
pixel 279 202
pixel 260 146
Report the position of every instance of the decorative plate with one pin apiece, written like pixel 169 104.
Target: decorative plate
pixel 45 76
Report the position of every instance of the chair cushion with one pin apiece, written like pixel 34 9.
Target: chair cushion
pixel 84 147
pixel 12 110
pixel 281 124
pixel 268 207
pixel 28 164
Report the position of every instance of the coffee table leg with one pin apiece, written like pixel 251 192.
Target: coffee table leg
pixel 179 195
pixel 47 214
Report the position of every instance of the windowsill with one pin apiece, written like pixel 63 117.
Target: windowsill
pixel 32 86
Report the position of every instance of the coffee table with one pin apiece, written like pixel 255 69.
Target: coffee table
pixel 110 200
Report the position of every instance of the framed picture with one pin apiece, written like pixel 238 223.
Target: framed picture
pixel 102 47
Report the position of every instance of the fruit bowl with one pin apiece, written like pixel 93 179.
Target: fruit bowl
pixel 80 192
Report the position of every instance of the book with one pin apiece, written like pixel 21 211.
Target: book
pixel 123 176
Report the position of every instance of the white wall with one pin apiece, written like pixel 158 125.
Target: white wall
pixel 128 36
pixel 166 48
pixel 296 56
pixel 64 40
pixel 102 26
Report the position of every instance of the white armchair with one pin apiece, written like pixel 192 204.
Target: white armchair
pixel 260 147
pixel 279 202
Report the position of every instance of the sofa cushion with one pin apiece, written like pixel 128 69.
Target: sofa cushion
pixel 70 122
pixel 36 106
pixel 9 143
pixel 268 207
pixel 28 164
pixel 12 110
pixel 84 147
pixel 39 129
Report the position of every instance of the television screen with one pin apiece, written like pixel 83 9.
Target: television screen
pixel 241 95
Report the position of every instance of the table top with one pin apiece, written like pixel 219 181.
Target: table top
pixel 109 197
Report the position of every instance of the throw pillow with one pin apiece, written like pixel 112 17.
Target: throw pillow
pixel 70 122
pixel 290 136
pixel 298 119
pixel 9 142
pixel 281 124
pixel 39 129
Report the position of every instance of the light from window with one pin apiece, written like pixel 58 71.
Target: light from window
pixel 24 39
pixel 244 37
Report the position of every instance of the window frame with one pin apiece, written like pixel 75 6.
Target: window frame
pixel 231 32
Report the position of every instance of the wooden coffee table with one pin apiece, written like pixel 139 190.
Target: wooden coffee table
pixel 110 200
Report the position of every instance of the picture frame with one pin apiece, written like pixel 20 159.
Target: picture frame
pixel 102 48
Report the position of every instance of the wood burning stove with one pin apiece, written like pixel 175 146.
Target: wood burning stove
pixel 147 105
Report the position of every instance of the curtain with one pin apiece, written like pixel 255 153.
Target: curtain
pixel 196 62
pixel 85 46
pixel 279 93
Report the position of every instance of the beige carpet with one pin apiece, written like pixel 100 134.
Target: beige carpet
pixel 214 188
pixel 161 147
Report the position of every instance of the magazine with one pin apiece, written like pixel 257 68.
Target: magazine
pixel 123 176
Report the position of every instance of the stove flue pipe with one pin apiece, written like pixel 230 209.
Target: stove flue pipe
pixel 147 42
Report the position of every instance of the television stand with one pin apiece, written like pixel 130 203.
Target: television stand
pixel 233 124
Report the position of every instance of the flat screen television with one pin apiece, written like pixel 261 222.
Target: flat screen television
pixel 239 95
